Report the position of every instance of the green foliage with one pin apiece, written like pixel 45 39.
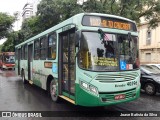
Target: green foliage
pixel 132 9
pixel 9 44
pixel 1 47
pixel 5 24
pixel 52 12
pixel 49 14
pixel 68 8
pixel 30 27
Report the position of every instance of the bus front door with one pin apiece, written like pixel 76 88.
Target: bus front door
pixel 30 59
pixel 19 57
pixel 67 63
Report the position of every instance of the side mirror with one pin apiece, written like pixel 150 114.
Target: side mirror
pixel 78 38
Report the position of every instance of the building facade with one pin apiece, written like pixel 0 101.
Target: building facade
pixel 27 11
pixel 30 9
pixel 149 44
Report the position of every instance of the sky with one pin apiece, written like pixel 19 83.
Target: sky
pixel 11 6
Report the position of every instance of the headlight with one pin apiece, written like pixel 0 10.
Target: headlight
pixel 84 85
pixel 93 89
pixel 90 88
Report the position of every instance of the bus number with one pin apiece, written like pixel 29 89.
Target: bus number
pixel 132 83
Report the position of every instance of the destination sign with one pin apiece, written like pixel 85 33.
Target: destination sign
pixel 107 22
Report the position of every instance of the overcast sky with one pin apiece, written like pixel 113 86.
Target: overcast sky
pixel 11 6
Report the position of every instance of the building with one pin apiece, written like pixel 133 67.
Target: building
pixel 149 43
pixel 30 9
pixel 27 11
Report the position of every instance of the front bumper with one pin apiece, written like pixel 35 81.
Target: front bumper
pixel 84 98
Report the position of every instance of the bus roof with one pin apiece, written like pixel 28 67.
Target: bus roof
pixel 76 19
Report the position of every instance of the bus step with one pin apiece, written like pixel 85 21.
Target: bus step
pixel 30 81
pixel 68 99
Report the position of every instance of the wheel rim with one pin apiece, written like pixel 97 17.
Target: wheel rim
pixel 149 89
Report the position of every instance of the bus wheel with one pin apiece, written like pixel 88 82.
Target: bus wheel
pixel 150 89
pixel 23 77
pixel 53 91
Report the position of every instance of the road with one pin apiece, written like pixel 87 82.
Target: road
pixel 15 96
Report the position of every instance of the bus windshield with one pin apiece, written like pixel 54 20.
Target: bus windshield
pixel 9 59
pixel 113 53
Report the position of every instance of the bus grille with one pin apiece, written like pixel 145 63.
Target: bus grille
pixel 105 78
pixel 110 97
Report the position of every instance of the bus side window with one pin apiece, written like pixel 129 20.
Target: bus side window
pixel 22 52
pixel 43 47
pixel 52 42
pixel 25 52
pixel 36 49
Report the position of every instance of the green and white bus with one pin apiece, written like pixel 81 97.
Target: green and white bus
pixel 90 59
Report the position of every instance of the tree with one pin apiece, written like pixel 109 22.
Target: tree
pixel 9 44
pixel 52 12
pixel 1 47
pixel 48 12
pixel 71 7
pixel 132 9
pixel 5 24
pixel 30 27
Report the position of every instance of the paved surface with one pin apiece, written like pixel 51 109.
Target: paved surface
pixel 15 96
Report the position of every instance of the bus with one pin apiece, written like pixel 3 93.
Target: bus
pixel 7 60
pixel 73 61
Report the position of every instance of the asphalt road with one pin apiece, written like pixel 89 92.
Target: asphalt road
pixel 15 96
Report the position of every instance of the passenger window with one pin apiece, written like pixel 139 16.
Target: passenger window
pixel 43 47
pixel 52 42
pixel 25 52
pixel 36 50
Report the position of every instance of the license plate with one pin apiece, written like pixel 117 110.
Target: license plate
pixel 119 97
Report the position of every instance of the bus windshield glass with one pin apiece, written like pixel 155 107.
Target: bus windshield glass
pixel 114 53
pixel 9 59
pixel 128 52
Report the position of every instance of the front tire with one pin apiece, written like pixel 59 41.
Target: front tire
pixel 53 91
pixel 150 89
